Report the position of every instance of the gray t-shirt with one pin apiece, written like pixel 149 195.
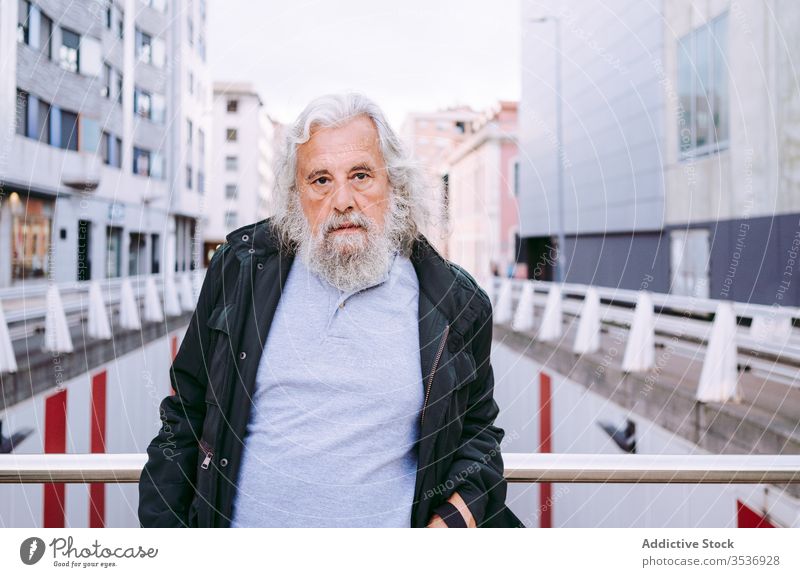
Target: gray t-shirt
pixel 331 438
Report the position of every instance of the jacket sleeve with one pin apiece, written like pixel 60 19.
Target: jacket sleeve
pixel 476 472
pixel 167 482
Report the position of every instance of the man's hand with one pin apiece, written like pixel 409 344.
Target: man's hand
pixel 436 522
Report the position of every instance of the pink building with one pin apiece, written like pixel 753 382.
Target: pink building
pixel 482 185
pixel 431 136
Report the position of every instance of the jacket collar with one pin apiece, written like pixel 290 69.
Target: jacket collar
pixel 440 281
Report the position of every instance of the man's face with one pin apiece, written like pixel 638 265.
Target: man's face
pixel 341 176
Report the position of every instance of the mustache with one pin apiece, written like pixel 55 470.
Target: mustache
pixel 353 219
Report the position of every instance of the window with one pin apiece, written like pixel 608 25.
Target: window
pixel 109 14
pixel 105 87
pixel 89 134
pixel 137 250
pixel 30 238
pixel 22 113
pixel 231 192
pixel 189 132
pixel 189 177
pixel 142 104
pixel 117 159
pixel 703 89
pixel 190 30
pixel 230 220
pixel 231 135
pixel 119 86
pixel 120 24
pixel 141 161
pixel 201 147
pixel 157 108
pixel 201 182
pixel 113 251
pixel 144 47
pixel 155 258
pixel 233 105
pixel 69 56
pixel 689 257
pixel 105 148
pixel 149 50
pixel 516 178
pixel 159 53
pixel 84 250
pixel 231 163
pixel 23 21
pixel 46 36
pixel 43 121
pixel 157 165
pixel 191 82
pixel 69 130
pixel 111 150
pixel 201 46
pixel 159 5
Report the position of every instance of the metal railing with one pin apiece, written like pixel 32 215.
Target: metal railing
pixel 519 468
pixel 682 319
pixel 25 306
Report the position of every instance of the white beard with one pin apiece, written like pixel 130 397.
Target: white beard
pixel 348 260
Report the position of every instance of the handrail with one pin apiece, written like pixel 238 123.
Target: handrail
pixel 688 319
pixel 23 322
pixel 519 468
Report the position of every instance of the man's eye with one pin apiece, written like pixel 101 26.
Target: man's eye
pixel 322 180
pixel 361 175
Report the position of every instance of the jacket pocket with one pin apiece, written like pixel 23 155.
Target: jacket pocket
pixel 462 373
pixel 220 348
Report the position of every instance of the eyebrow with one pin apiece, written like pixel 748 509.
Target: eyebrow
pixel 365 167
pixel 316 173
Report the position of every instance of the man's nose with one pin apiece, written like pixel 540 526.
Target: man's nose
pixel 343 198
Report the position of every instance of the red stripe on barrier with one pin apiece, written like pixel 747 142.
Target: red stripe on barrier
pixel 97 491
pixel 746 518
pixel 55 441
pixel 545 435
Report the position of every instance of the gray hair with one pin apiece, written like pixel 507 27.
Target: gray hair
pixel 405 178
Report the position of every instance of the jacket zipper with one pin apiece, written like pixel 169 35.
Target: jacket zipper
pixel 433 372
pixel 209 454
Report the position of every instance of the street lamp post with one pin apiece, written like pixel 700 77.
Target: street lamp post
pixel 559 148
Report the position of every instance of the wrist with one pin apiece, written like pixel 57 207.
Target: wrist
pixel 451 515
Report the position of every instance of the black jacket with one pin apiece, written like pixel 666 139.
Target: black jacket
pixel 190 478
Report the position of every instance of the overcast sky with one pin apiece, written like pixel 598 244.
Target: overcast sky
pixel 413 55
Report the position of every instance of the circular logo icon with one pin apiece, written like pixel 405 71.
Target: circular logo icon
pixel 31 550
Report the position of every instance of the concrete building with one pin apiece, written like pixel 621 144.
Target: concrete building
pixel 430 137
pixel 732 150
pixel 104 120
pixel 679 147
pixel 243 171
pixel 482 186
pixel 613 122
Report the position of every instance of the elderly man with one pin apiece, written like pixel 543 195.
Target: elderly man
pixel 336 371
